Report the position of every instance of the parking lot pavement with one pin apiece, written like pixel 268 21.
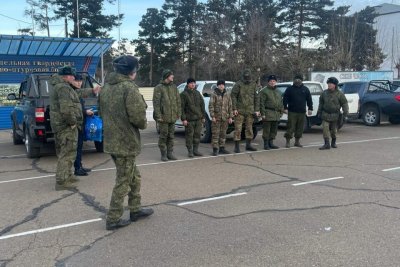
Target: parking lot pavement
pixel 285 207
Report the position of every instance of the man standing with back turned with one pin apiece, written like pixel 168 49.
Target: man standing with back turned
pixel 123 110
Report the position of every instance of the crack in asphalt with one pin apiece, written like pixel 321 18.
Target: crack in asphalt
pixel 36 167
pixel 17 254
pixel 35 213
pixel 89 200
pixel 13 171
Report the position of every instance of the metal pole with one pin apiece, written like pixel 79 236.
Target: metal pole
pixel 77 16
pixel 102 66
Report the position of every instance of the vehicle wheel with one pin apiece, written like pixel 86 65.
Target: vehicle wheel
pixel 340 122
pixel 394 120
pixel 157 127
pixel 371 116
pixel 307 125
pixel 31 150
pixel 99 146
pixel 17 140
pixel 205 136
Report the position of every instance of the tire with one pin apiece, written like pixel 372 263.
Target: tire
pixel 31 150
pixel 371 116
pixel 394 120
pixel 205 136
pixel 99 146
pixel 17 140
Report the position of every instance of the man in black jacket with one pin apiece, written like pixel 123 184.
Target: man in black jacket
pixel 295 99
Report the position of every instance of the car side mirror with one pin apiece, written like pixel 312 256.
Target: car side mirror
pixel 11 96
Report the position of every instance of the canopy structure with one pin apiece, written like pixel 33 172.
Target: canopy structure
pixel 20 54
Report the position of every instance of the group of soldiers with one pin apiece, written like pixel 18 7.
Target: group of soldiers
pixel 123 111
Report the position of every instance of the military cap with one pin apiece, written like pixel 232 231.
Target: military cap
pixel 220 82
pixel 272 77
pixel 67 70
pixel 190 80
pixel 126 64
pixel 298 77
pixel 332 80
pixel 166 73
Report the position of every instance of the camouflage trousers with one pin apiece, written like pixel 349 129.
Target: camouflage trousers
pixel 193 132
pixel 218 130
pixel 66 142
pixel 270 129
pixel 329 129
pixel 248 121
pixel 167 133
pixel 127 183
pixel 295 125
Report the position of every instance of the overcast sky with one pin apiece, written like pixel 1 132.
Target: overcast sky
pixel 12 15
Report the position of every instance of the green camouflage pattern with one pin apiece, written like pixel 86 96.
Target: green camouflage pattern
pixel 271 104
pixel 329 129
pixel 166 103
pixel 330 103
pixel 192 105
pixel 66 141
pixel 192 133
pixel 123 110
pixel 295 125
pixel 245 98
pixel 166 137
pixel 270 130
pixel 127 183
pixel 220 105
pixel 218 131
pixel 248 121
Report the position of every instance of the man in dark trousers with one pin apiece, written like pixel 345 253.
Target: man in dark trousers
pixel 295 99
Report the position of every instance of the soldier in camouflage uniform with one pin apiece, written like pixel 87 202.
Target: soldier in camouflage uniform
pixel 245 104
pixel 66 117
pixel 193 111
pixel 167 109
pixel 220 107
pixel 271 106
pixel 123 110
pixel 330 103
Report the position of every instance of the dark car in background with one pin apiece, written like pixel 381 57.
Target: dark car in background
pixel 379 100
pixel 31 116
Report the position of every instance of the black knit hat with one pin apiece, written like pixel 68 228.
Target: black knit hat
pixel 166 73
pixel 78 77
pixel 332 80
pixel 190 80
pixel 220 82
pixel 126 64
pixel 272 77
pixel 67 70
pixel 298 77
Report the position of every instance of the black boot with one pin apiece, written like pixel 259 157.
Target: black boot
pixel 142 213
pixel 196 151
pixel 190 152
pixel 326 145
pixel 287 145
pixel 333 144
pixel 266 144
pixel 170 155
pixel 215 151
pixel 120 223
pixel 271 144
pixel 249 147
pixel 164 155
pixel 222 150
pixel 297 142
pixel 237 147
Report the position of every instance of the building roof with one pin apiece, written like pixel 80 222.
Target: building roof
pixel 53 46
pixel 385 9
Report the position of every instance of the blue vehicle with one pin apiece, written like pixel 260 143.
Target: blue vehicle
pixel 31 116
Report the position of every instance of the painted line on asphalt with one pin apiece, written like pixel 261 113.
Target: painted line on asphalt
pixel 318 181
pixel 26 179
pixel 49 229
pixel 391 169
pixel 12 156
pixel 210 199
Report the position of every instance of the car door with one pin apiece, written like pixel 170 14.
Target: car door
pixel 352 91
pixel 380 93
pixel 21 107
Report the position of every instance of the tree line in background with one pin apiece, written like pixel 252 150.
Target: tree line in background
pixel 217 39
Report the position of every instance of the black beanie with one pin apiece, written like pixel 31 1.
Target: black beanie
pixel 166 73
pixel 272 77
pixel 298 76
pixel 126 64
pixel 66 70
pixel 190 80
pixel 220 82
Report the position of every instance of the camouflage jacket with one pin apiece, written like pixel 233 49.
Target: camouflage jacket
pixel 123 111
pixel 245 98
pixel 330 103
pixel 271 104
pixel 220 105
pixel 192 104
pixel 166 103
pixel 65 106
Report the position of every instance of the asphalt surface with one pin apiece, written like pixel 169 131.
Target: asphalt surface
pixel 265 208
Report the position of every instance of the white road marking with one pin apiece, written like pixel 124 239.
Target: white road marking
pixel 391 169
pixel 149 144
pixel 12 156
pixel 29 178
pixel 318 181
pixel 210 199
pixel 49 229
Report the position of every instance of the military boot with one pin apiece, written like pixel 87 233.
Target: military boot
pixel 237 147
pixel 196 151
pixel 164 155
pixel 215 151
pixel 297 142
pixel 65 186
pixel 333 144
pixel 326 145
pixel 249 147
pixel 142 213
pixel 118 224
pixel 222 150
pixel 170 155
pixel 288 143
pixel 266 144
pixel 190 152
pixel 271 144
